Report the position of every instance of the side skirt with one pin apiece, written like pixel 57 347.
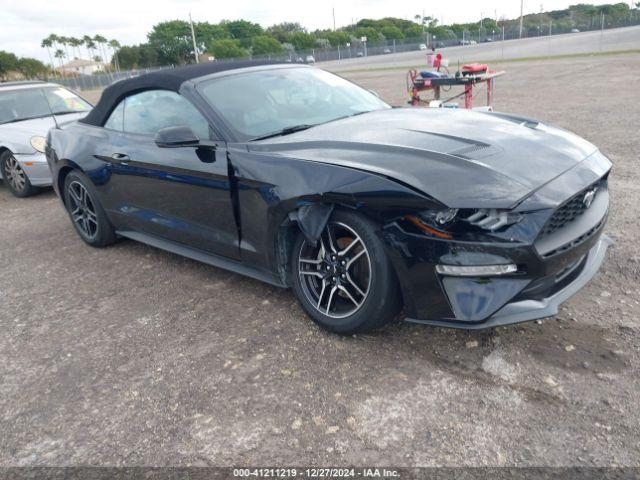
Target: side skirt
pixel 200 256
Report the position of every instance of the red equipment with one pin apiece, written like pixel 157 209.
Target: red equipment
pixel 474 68
pixel 468 76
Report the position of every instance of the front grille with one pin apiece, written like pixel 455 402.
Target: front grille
pixel 575 241
pixel 568 212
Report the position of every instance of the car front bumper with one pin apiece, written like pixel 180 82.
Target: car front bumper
pixel 540 299
pixel 36 168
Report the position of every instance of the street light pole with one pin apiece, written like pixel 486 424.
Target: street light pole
pixel 193 37
pixel 521 12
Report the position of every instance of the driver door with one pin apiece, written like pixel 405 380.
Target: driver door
pixel 181 194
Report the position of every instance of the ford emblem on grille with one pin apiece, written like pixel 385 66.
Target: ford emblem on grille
pixel 588 197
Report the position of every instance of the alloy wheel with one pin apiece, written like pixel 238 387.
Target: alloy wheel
pixel 14 174
pixel 82 210
pixel 335 274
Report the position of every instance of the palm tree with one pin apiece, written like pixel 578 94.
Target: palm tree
pixel 64 41
pixel 89 45
pixel 59 54
pixel 47 43
pixel 102 41
pixel 115 46
pixel 75 46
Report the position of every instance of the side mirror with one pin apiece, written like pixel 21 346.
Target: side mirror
pixel 179 136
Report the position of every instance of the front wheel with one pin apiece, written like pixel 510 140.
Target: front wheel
pixel 15 177
pixel 345 282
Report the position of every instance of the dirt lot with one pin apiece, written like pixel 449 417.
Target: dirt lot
pixel 132 356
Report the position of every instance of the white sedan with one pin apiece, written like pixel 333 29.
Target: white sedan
pixel 27 111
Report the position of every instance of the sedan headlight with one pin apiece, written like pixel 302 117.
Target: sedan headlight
pixel 38 143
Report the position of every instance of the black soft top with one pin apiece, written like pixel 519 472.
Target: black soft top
pixel 166 79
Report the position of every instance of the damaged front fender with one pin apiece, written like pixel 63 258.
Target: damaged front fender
pixel 311 220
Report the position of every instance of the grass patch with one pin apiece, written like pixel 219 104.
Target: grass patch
pixel 505 60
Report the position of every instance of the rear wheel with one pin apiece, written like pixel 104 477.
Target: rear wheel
pixel 345 282
pixel 14 176
pixel 85 211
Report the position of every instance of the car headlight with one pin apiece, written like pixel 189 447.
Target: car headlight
pixel 433 222
pixel 38 143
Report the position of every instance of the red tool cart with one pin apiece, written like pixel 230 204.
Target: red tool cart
pixel 468 77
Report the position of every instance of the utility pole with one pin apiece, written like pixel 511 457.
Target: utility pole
pixel 333 10
pixel 521 12
pixel 601 30
pixel 193 37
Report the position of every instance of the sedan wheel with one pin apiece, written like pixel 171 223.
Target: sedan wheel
pixel 15 177
pixel 344 281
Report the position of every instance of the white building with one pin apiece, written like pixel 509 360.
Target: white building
pixel 81 67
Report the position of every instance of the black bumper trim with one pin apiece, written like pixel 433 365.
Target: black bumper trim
pixel 527 310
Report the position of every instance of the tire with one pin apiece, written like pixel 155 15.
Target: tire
pixel 86 214
pixel 349 256
pixel 14 177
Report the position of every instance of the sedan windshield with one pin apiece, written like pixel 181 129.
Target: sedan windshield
pixel 283 100
pixel 27 103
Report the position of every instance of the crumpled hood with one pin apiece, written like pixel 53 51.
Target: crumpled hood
pixel 460 157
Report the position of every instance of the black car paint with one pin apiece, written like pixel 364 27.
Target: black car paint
pixel 237 205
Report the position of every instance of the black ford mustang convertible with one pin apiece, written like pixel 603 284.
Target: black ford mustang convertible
pixel 299 178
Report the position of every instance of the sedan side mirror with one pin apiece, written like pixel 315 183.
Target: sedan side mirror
pixel 179 136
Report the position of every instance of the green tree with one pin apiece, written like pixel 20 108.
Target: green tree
pixel 101 42
pixel 392 32
pixel 337 38
pixel 413 31
pixel 228 48
pixel 114 45
pixel 48 43
pixel 303 40
pixel 371 33
pixel 148 56
pixel 90 45
pixel 128 57
pixel 8 62
pixel 243 31
pixel 172 40
pixel 263 44
pixel 31 68
pixel 283 31
pixel 59 54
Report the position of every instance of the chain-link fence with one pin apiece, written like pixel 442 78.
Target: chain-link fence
pixel 358 48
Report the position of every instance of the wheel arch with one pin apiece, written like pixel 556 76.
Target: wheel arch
pixel 3 149
pixel 64 169
pixel 309 219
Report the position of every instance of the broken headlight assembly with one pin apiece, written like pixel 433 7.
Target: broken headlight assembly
pixel 445 223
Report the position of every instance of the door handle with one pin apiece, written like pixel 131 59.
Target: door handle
pixel 120 158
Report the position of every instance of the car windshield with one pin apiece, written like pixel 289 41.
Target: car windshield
pixel 28 103
pixel 260 103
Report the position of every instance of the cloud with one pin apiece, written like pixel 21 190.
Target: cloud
pixel 24 23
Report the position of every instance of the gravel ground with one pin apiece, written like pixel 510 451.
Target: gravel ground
pixel 132 356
